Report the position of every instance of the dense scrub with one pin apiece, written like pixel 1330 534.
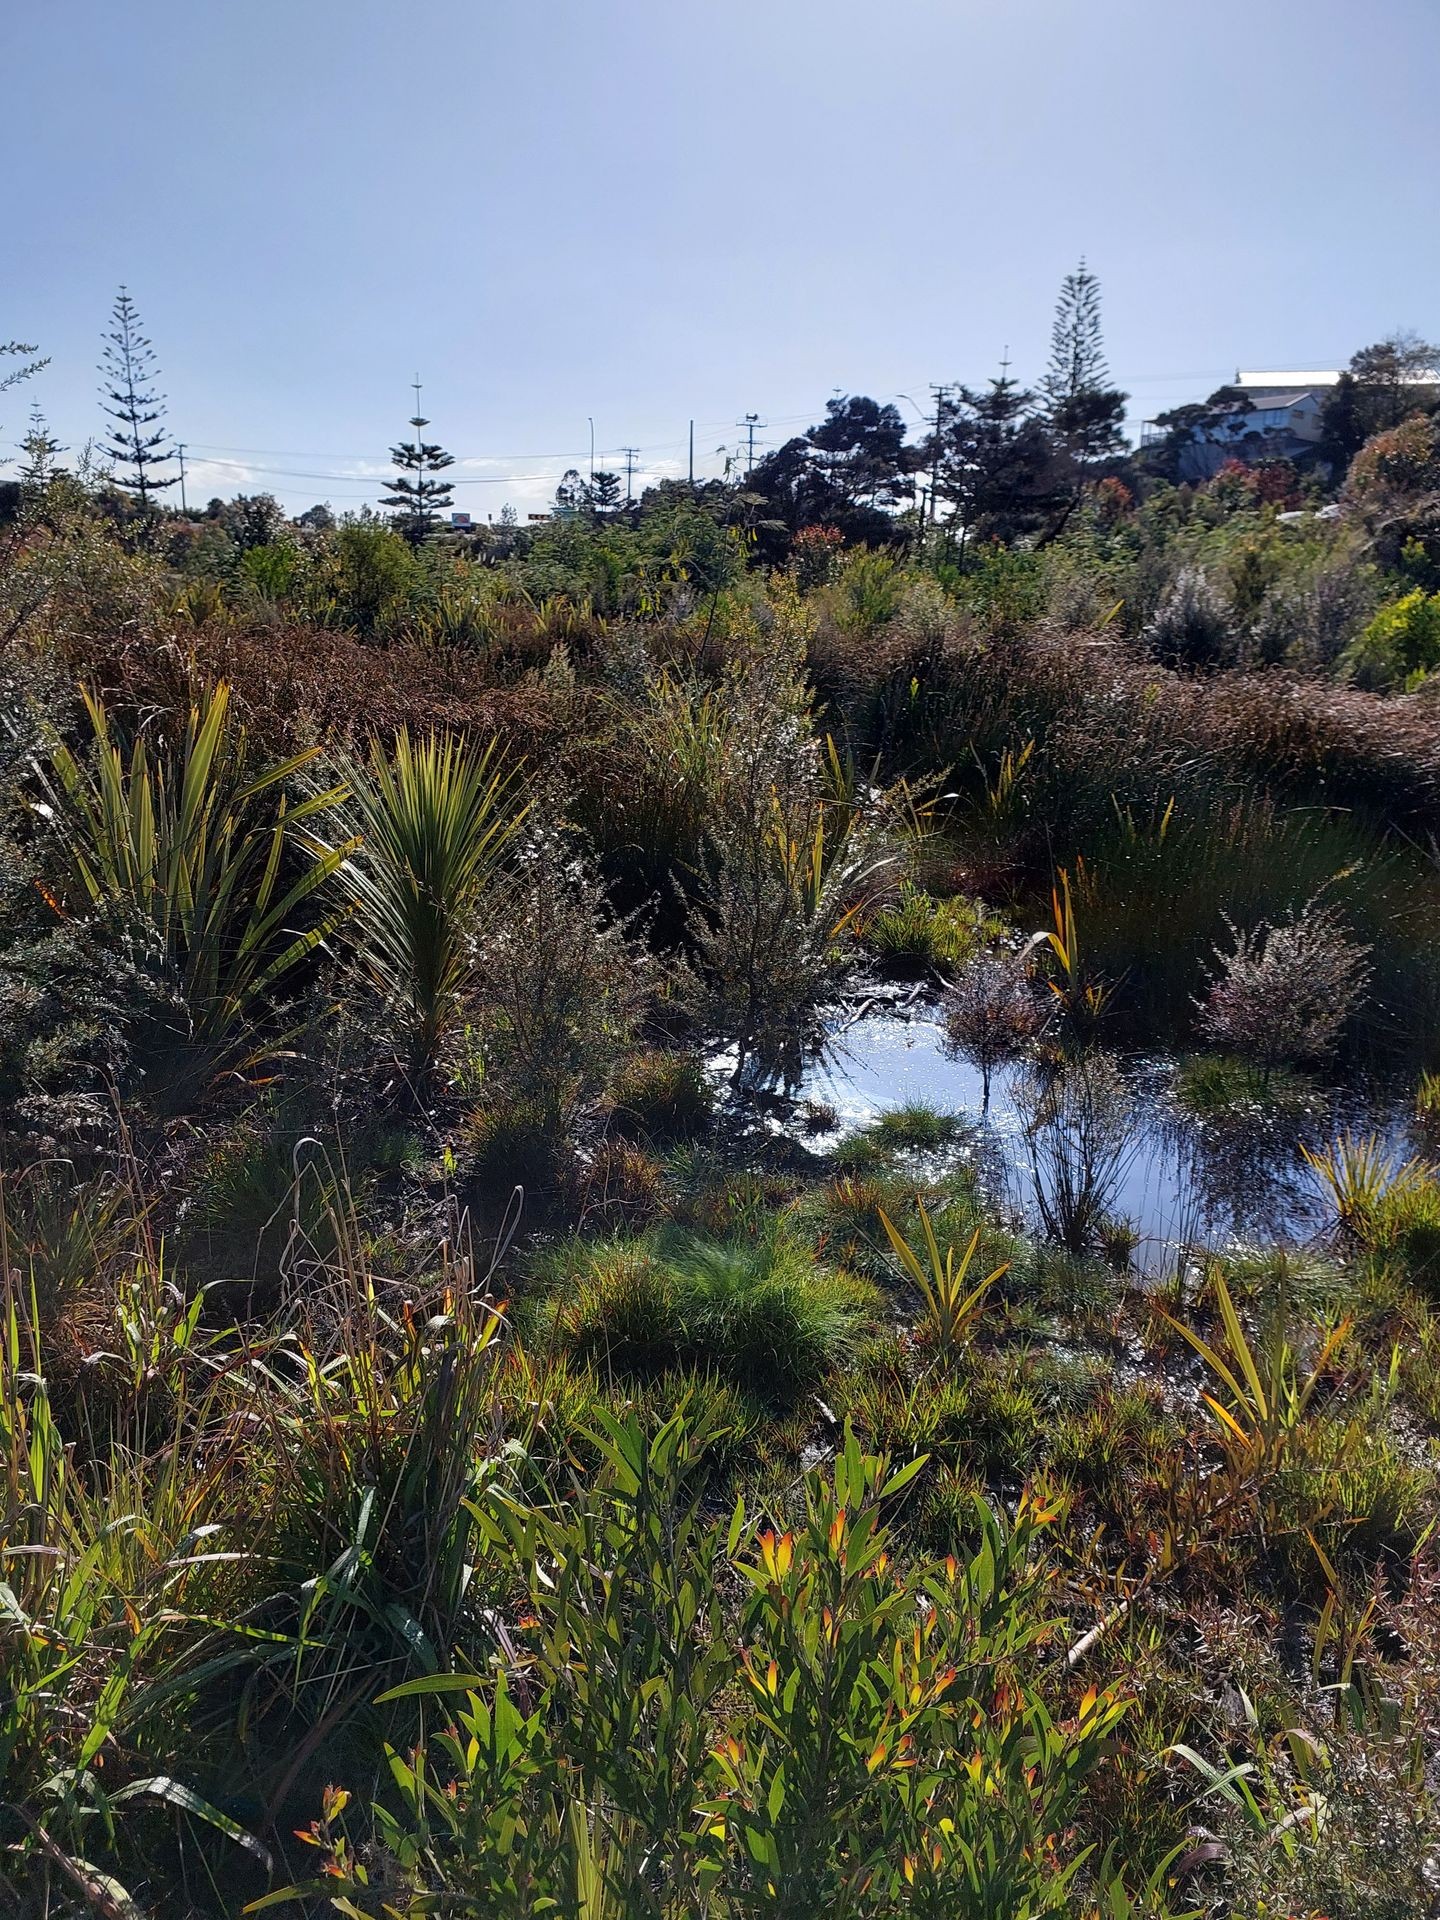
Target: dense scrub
pixel 472 1442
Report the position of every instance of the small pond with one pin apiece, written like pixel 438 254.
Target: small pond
pixel 1181 1182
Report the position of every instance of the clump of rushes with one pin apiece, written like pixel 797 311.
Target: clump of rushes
pixel 661 1096
pixel 1118 1241
pixel 761 1312
pixel 915 1128
pixel 1427 1103
pixel 1222 1083
pixel 619 1182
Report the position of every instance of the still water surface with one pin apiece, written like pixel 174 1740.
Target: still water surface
pixel 1183 1183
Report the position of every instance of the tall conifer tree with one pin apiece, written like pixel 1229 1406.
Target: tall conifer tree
pixel 415 496
pixel 1082 409
pixel 137 444
pixel 39 447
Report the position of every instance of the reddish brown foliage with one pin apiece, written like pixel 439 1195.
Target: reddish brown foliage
pixel 300 684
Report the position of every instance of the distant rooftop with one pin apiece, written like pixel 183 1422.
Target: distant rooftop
pixel 1287 381
pixel 1267 401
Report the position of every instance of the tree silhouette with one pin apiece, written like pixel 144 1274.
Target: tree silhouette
pixel 1082 409
pixel 415 496
pixel 40 448
pixel 17 374
pixel 129 372
pixel 999 470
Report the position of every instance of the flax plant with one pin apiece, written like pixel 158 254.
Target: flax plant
pixel 192 840
pixel 432 819
pixel 952 1306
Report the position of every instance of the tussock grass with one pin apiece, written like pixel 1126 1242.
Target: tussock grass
pixel 759 1311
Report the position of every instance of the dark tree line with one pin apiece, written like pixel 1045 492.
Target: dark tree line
pixel 1000 461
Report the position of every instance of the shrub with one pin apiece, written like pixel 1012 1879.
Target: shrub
pixel 561 982
pixel 1401 645
pixel 1193 624
pixel 841 1683
pixel 1398 464
pixel 814 553
pixel 368 579
pixel 868 592
pixel 992 1012
pixel 1284 993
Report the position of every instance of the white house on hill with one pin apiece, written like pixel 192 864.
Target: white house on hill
pixel 1275 416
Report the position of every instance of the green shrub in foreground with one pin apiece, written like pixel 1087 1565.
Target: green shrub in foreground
pixel 857 1741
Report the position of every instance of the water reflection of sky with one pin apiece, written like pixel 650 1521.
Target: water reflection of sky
pixel 1181 1182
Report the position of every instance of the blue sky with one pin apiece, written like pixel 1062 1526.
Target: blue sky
pixel 651 210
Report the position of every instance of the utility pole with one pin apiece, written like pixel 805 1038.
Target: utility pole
pixel 692 453
pixel 180 456
pixel 419 425
pixel 629 453
pixel 750 423
pixel 591 419
pixel 941 396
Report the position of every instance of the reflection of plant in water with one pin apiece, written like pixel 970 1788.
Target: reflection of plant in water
pixel 1238 1173
pixel 1080 1135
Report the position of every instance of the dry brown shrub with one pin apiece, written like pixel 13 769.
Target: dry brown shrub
pixel 305 683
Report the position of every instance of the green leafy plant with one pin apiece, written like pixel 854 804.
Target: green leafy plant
pixel 1083 997
pixel 192 839
pixel 431 821
pixel 1268 1391
pixel 1361 1174
pixel 96 1574
pixel 952 1306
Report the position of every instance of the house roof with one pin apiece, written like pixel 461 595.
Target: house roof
pixel 1267 401
pixel 1283 382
